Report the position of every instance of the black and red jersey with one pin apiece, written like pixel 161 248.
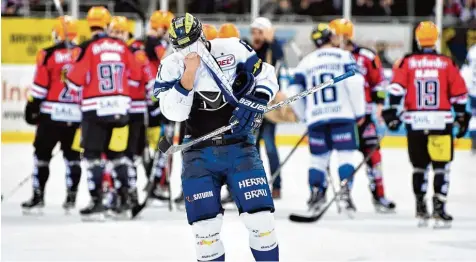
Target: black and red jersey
pixel 49 86
pixel 105 69
pixel 155 49
pixel 431 83
pixel 371 68
pixel 139 92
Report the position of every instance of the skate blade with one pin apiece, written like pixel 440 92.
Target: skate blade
pixel 124 215
pixel 441 224
pixel 68 210
pixel 384 210
pixel 36 211
pixel 98 217
pixel 422 222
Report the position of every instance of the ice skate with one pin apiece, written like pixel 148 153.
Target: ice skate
pixel 383 205
pixel 160 192
pixel 70 202
pixel 317 200
pixel 276 193
pixel 122 209
pixel 347 203
pixel 422 212
pixel 95 211
pixel 35 205
pixel 442 219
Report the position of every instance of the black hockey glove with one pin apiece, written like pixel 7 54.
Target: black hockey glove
pixel 243 84
pixel 249 114
pixel 391 119
pixel 32 113
pixel 462 121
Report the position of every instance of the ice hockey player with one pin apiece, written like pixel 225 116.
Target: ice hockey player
pixel 190 91
pixel 371 68
pixel 331 114
pixel 430 85
pixel 103 71
pixel 228 30
pixel 470 77
pixel 209 31
pixel 55 110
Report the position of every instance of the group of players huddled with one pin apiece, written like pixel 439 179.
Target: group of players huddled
pixel 118 91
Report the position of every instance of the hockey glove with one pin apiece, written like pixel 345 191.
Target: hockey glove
pixel 391 119
pixel 462 121
pixel 243 84
pixel 249 114
pixel 32 113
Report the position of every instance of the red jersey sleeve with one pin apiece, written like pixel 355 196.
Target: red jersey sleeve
pixel 375 72
pixel 133 66
pixel 457 86
pixel 400 78
pixel 160 51
pixel 77 75
pixel 41 80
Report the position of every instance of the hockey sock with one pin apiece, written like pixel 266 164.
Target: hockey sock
pixel 95 176
pixel 317 178
pixel 73 175
pixel 374 173
pixel 262 235
pixel 441 182
pixel 346 171
pixel 121 168
pixel 420 181
pixel 41 172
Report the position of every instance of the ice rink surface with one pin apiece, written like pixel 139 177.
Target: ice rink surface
pixel 163 236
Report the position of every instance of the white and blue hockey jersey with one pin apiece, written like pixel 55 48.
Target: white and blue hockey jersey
pixel 469 72
pixel 342 102
pixel 205 107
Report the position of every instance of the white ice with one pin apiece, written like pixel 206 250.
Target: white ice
pixel 163 236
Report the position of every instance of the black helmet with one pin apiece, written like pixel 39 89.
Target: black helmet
pixel 184 30
pixel 321 34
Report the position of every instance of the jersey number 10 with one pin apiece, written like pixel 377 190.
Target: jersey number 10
pixel 327 94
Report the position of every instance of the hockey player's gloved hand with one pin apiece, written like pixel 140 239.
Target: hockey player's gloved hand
pixel 249 114
pixel 391 119
pixel 462 121
pixel 32 113
pixel 243 84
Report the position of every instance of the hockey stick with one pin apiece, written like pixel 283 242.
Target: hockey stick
pixel 343 185
pixel 331 181
pixel 166 147
pixel 27 178
pixel 276 173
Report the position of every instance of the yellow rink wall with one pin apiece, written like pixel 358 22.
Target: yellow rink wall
pixel 281 140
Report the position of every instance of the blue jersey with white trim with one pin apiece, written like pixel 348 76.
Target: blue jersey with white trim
pixel 342 102
pixel 205 107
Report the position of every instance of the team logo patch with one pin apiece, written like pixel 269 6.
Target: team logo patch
pixel 226 61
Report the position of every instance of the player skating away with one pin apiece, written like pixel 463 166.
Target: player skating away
pixel 469 73
pixel 104 70
pixel 54 108
pixel 331 114
pixel 371 68
pixel 430 85
pixel 188 92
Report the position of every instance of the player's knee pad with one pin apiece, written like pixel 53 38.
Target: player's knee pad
pixel 95 168
pixel 202 198
pixel 208 244
pixel 73 174
pixel 250 190
pixel 262 235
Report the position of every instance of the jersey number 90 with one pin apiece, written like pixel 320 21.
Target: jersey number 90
pixel 327 94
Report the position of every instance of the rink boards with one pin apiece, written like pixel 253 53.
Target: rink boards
pixel 16 80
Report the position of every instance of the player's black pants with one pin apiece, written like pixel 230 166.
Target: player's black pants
pixel 433 147
pixel 109 136
pixel 48 134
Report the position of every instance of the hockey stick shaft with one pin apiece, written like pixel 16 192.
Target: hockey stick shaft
pixel 221 130
pixel 331 182
pixel 276 173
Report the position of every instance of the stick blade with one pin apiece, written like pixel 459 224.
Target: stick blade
pixel 304 219
pixel 137 209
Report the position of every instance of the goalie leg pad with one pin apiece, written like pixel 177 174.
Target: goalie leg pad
pixel 202 198
pixel 208 244
pixel 262 235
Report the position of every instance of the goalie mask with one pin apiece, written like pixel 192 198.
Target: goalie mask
pixel 185 30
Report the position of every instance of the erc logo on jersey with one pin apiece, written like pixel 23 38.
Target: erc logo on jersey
pixel 226 61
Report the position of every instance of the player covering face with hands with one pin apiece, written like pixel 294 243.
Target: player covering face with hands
pixel 192 86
